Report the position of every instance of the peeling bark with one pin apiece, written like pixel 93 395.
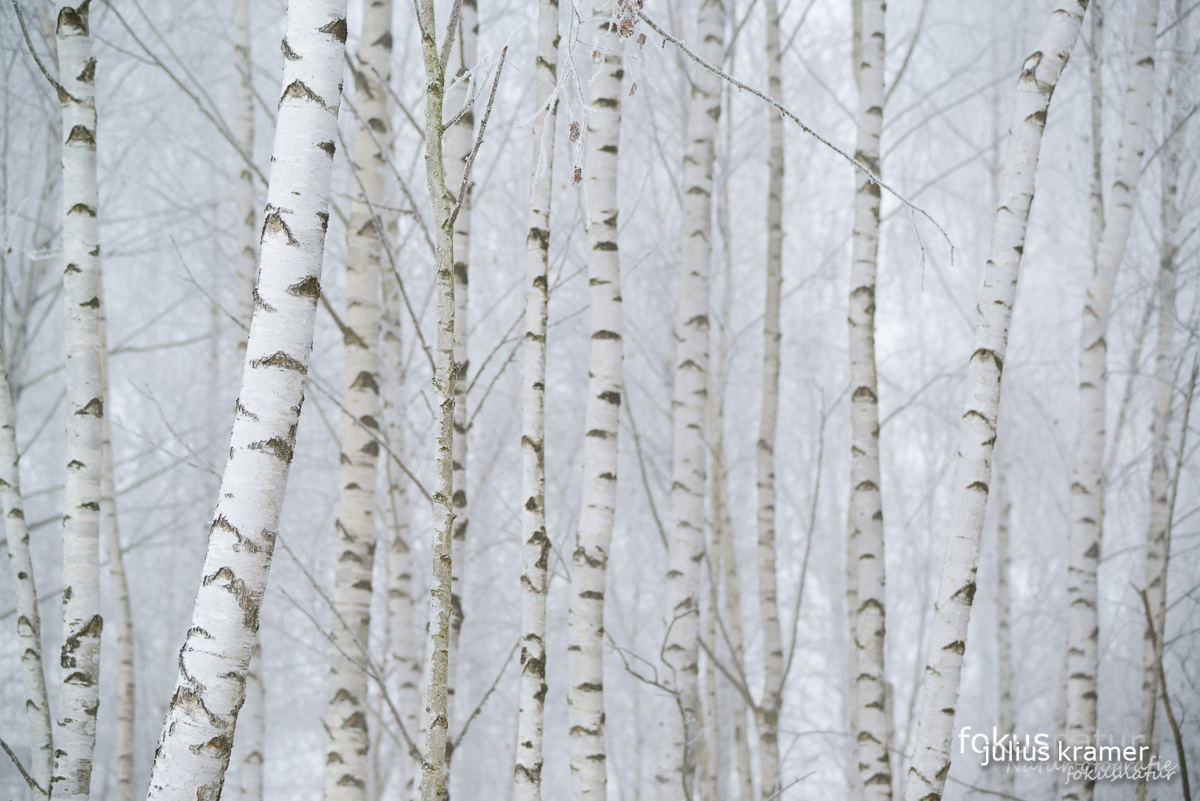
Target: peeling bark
pixel 870 723
pixel 527 770
pixel 680 716
pixel 589 562
pixel 79 698
pixel 29 622
pixel 346 714
pixel 956 589
pixel 193 748
pixel 1087 481
pixel 767 716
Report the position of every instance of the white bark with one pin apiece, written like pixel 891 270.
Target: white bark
pixel 680 716
pixel 193 748
pixel 252 733
pixel 404 666
pixel 1160 453
pixel 247 264
pixel 126 703
pixel 870 719
pixel 527 770
pixel 79 698
pixel 722 520
pixel 459 139
pixel 29 622
pixel 589 562
pixel 956 589
pixel 1087 482
pixel 435 722
pixel 346 726
pixel 767 716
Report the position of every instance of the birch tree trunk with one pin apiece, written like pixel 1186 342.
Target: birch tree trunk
pixel 871 724
pixel 79 698
pixel 767 716
pixel 1096 82
pixel 435 723
pixel 402 658
pixel 680 716
pixel 253 732
pixel 193 748
pixel 346 714
pixel 956 589
pixel 29 621
pixel 460 138
pixel 1004 665
pixel 126 695
pixel 589 562
pixel 1160 454
pixel 247 266
pixel 527 770
pixel 1087 482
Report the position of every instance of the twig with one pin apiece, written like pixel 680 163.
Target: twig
pixel 452 30
pixel 912 45
pixel 1166 699
pixel 637 446
pixel 37 788
pixel 812 528
pixel 479 707
pixel 317 383
pixel 63 94
pixel 858 165
pixel 466 179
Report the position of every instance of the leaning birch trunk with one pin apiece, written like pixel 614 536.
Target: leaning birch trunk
pixel 527 768
pixel 346 727
pixel 193 748
pixel 1087 482
pixel 680 715
pixel 459 139
pixel 772 696
pixel 956 590
pixel 589 562
pixel 253 735
pixel 247 264
pixel 29 621
pixel 870 718
pixel 1004 663
pixel 1160 491
pixel 435 723
pixel 79 698
pixel 126 704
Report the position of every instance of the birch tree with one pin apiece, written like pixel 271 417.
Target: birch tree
pixel 247 264
pixel 956 589
pixel 589 561
pixel 527 771
pixel 29 622
pixel 435 720
pixel 1164 386
pixel 1087 482
pixel 460 138
pixel 404 664
pixel 79 697
pixel 870 719
pixel 767 716
pixel 126 689
pixel 193 748
pixel 680 716
pixel 346 709
pixel 252 733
